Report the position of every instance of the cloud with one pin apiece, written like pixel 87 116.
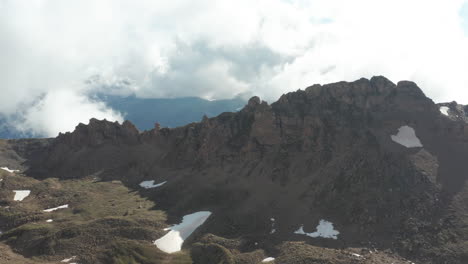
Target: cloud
pixel 55 54
pixel 464 15
pixel 46 117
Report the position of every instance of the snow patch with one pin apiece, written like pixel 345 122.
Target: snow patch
pixel 56 208
pixel 172 241
pixel 69 259
pixel 324 229
pixel 406 136
pixel 49 221
pixel 273 228
pixel 21 194
pixel 269 259
pixel 444 110
pixel 150 184
pixel 7 169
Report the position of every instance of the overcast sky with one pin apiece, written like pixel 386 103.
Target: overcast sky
pixel 54 53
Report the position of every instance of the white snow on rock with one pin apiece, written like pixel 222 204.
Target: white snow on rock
pixel 69 259
pixel 444 110
pixel 21 194
pixel 324 229
pixel 172 241
pixel 7 169
pixel 49 220
pixel 269 259
pixel 150 184
pixel 406 136
pixel 56 208
pixel 273 228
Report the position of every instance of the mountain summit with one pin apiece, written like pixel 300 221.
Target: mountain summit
pixel 368 165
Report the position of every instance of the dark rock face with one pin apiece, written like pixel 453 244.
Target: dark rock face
pixel 100 133
pixel 322 153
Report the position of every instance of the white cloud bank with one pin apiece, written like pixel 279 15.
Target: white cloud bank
pixel 49 48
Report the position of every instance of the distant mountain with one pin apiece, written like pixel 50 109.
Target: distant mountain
pixel 168 112
pixel 7 131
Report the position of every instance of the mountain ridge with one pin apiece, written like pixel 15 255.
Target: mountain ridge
pixel 144 112
pixel 329 152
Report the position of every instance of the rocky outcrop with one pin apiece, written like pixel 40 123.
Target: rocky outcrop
pixel 89 149
pixel 98 133
pixel 454 111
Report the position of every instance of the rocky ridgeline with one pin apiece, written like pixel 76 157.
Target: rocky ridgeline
pixel 99 133
pixel 258 126
pixel 329 152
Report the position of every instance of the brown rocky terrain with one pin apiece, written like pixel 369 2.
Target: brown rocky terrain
pixel 323 153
